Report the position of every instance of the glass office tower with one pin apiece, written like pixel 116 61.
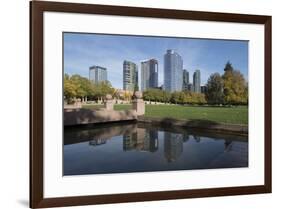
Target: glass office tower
pixel 173 71
pixel 97 74
pixel 130 76
pixel 149 74
pixel 197 81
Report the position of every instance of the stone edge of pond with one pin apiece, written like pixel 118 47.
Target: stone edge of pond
pixel 198 124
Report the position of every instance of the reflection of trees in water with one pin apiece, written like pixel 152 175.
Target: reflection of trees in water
pixel 227 145
pixel 185 137
pixel 141 140
pixel 173 146
pixel 197 138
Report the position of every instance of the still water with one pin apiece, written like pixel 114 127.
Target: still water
pixel 136 147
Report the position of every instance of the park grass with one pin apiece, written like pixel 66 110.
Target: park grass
pixel 229 115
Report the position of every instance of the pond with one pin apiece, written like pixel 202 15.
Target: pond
pixel 140 147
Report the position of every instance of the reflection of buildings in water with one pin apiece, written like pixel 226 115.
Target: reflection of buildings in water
pixel 173 146
pixel 185 137
pixel 96 142
pixel 153 142
pixel 197 138
pixel 129 141
pixel 141 140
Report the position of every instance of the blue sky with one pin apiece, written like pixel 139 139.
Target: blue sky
pixel 83 50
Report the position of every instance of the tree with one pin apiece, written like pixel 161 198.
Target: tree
pixel 215 88
pixel 153 95
pixel 166 96
pixel 228 67
pixel 79 82
pixel 235 86
pixel 177 97
pixel 69 88
pixel 81 87
pixel 200 98
pixel 101 89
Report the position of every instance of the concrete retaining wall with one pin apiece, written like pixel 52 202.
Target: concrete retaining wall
pixel 86 116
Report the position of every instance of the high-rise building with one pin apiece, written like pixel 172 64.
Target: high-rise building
pixel 197 81
pixel 130 76
pixel 149 74
pixel 203 89
pixel 173 65
pixel 185 80
pixel 97 74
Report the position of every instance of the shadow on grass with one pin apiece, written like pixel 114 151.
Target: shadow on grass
pixel 203 124
pixel 189 122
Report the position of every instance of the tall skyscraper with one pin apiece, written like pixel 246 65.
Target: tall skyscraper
pixel 149 74
pixel 197 81
pixel 130 76
pixel 185 80
pixel 97 74
pixel 173 71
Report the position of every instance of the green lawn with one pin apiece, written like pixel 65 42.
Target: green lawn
pixel 233 115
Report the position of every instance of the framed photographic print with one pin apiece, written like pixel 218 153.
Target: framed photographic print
pixel 138 104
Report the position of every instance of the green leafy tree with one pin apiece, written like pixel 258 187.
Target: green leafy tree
pixel 200 98
pixel 69 89
pixel 235 86
pixel 78 81
pixel 177 97
pixel 166 96
pixel 78 86
pixel 150 95
pixel 101 89
pixel 228 67
pixel 215 89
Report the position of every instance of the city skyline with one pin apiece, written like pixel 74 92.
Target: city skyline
pixel 84 50
pixel 176 78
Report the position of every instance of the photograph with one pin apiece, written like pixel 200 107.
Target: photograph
pixel 134 103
